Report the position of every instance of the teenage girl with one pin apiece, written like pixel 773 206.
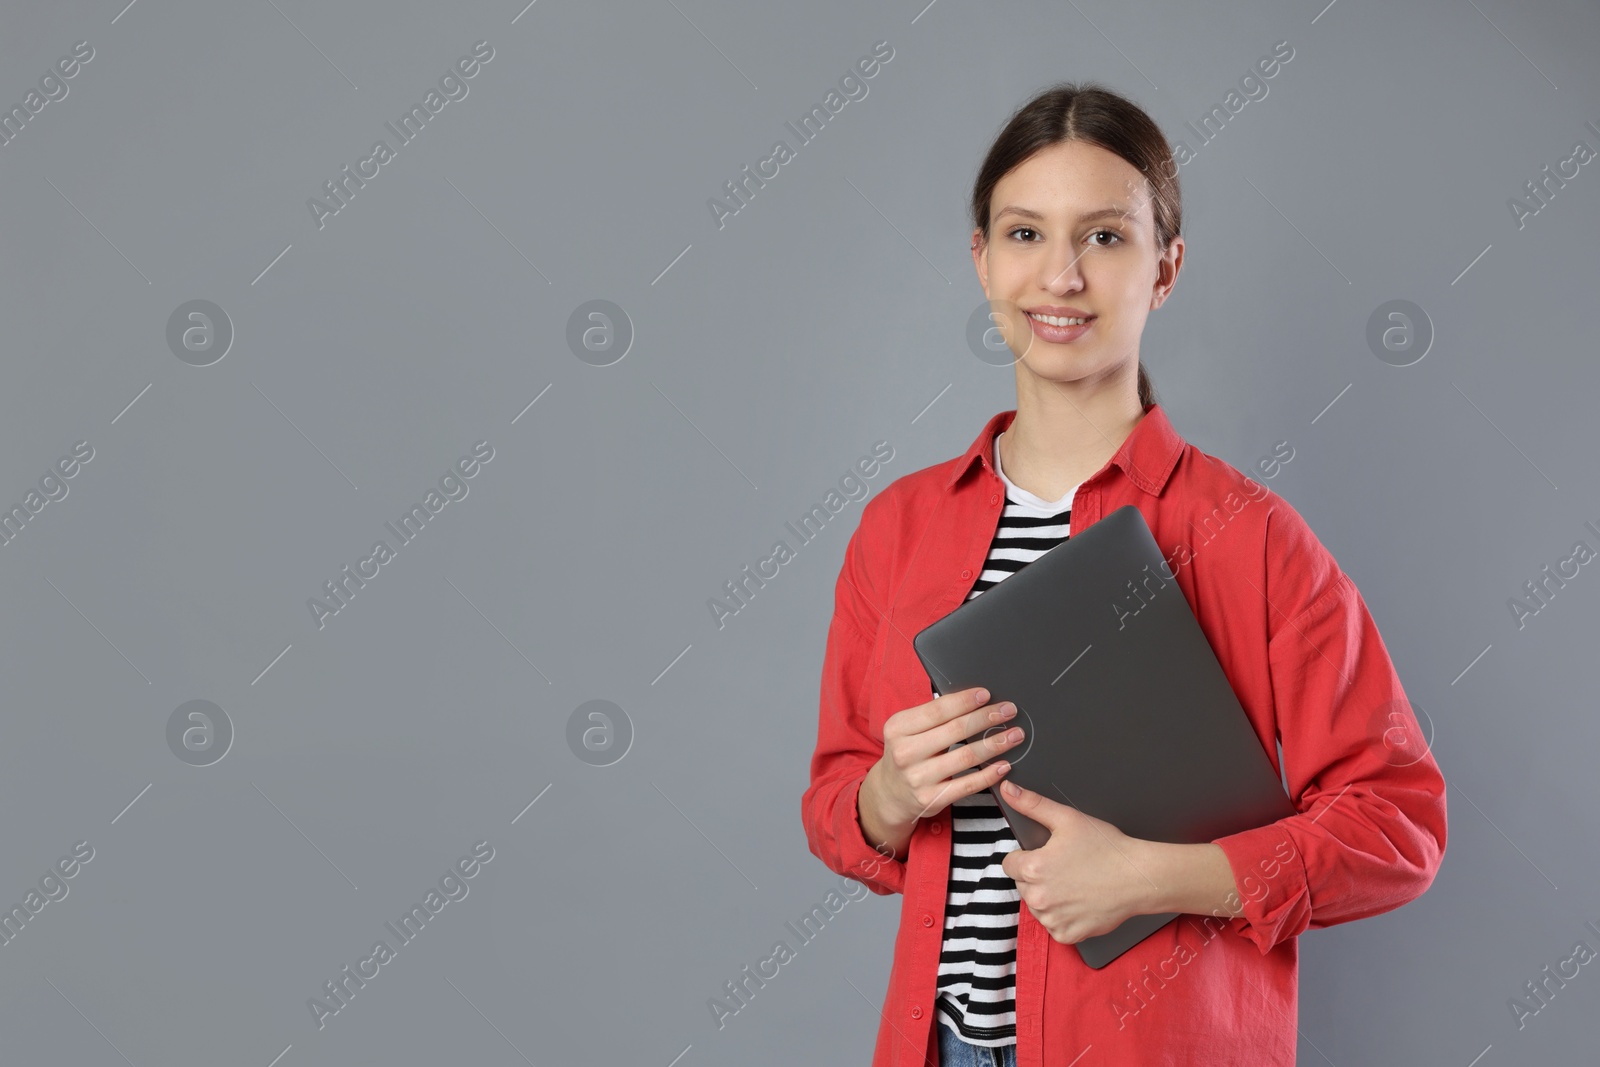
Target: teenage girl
pixel 1076 239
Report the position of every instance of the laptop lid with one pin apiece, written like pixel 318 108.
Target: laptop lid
pixel 1126 712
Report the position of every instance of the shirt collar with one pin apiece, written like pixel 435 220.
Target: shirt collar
pixel 1147 456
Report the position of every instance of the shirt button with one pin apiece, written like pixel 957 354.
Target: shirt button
pixel 995 499
pixel 966 574
pixel 927 920
pixel 916 1013
pixel 936 828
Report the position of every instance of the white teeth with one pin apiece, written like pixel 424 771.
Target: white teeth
pixel 1057 320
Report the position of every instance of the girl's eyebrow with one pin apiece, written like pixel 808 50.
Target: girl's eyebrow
pixel 1088 216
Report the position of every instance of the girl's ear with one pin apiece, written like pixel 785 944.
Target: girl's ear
pixel 1167 268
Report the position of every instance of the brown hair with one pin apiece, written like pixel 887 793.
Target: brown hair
pixel 1093 114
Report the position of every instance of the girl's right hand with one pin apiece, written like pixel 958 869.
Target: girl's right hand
pixel 918 775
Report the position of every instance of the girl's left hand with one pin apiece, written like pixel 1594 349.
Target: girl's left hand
pixel 1085 880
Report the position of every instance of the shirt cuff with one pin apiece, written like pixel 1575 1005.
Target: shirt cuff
pixel 880 873
pixel 1269 874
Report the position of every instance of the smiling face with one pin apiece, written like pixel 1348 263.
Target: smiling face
pixel 1072 236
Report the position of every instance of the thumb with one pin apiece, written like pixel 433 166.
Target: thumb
pixel 1041 809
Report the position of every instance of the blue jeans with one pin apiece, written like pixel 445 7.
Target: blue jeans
pixel 954 1052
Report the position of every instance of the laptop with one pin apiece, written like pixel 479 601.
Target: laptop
pixel 1126 713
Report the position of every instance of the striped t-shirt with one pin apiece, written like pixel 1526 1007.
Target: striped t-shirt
pixel 978 959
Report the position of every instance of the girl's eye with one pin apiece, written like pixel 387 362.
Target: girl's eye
pixel 1116 237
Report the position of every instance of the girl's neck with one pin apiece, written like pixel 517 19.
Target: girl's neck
pixel 1058 441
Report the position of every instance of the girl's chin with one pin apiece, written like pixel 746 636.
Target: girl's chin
pixel 1069 364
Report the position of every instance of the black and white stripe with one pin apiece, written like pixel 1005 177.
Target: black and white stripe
pixel 978 959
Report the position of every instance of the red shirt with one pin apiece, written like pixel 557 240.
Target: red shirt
pixel 1304 657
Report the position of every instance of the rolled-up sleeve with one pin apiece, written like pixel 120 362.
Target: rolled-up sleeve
pixel 846 748
pixel 1370 832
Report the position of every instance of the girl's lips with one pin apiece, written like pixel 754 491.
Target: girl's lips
pixel 1058 335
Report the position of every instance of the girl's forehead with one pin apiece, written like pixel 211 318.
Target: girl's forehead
pixel 1074 192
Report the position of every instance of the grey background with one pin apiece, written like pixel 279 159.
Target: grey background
pixel 827 315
